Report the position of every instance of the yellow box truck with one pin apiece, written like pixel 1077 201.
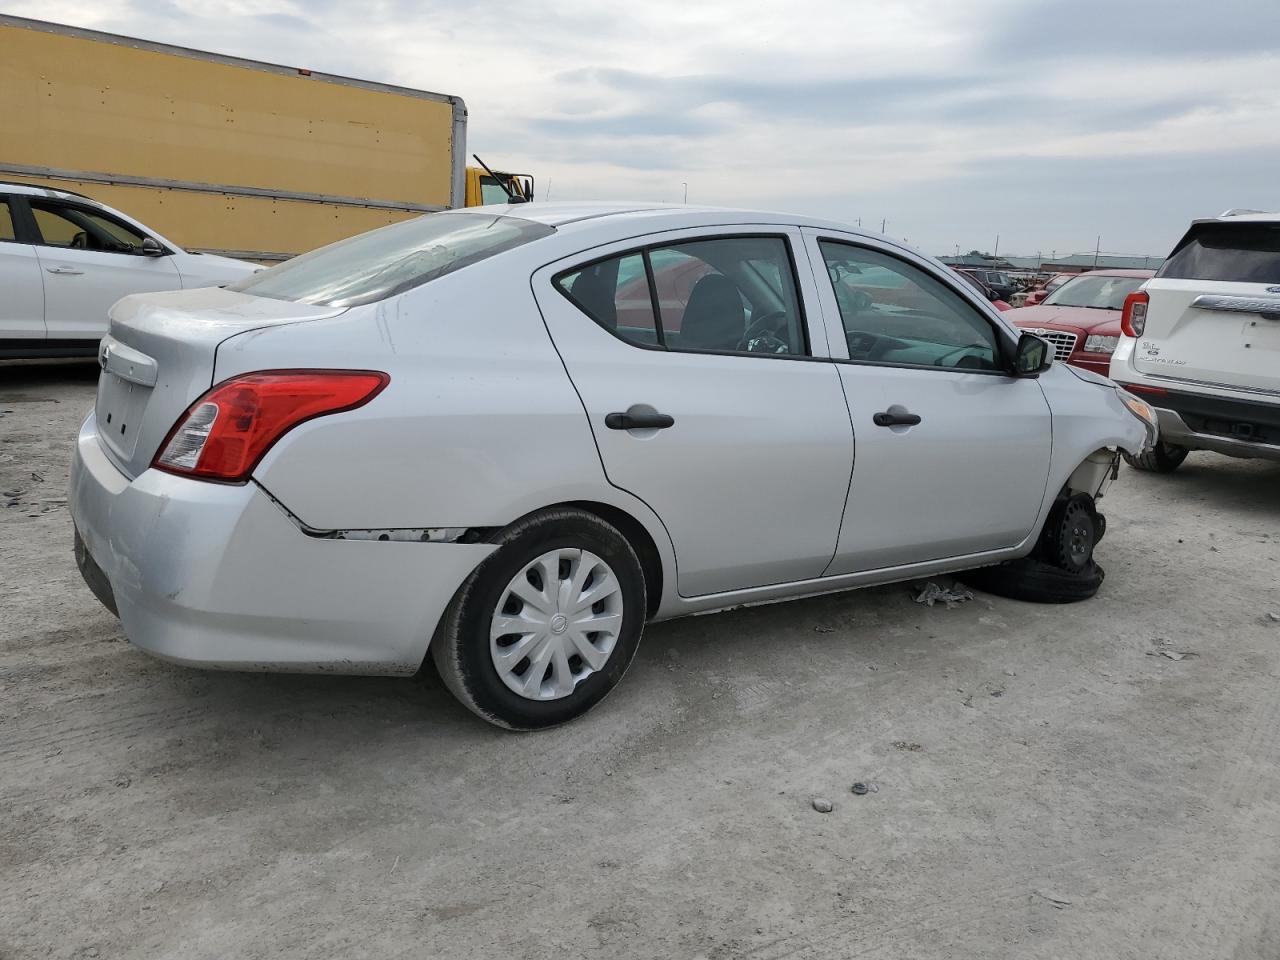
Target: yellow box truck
pixel 226 155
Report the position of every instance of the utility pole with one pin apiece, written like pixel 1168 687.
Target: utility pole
pixel 995 255
pixel 1096 250
pixel 882 224
pixel 859 221
pixel 547 195
pixel 686 192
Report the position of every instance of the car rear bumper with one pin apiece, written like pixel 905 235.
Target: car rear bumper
pixel 218 575
pixel 1236 428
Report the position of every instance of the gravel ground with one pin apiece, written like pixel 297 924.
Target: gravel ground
pixel 1043 781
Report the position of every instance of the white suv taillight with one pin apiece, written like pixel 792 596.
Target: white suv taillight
pixel 1134 318
pixel 224 434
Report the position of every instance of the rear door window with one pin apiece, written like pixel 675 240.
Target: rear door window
pixel 1234 252
pixel 6 222
pixel 615 294
pixel 724 295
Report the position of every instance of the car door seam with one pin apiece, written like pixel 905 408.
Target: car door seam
pixel 675 559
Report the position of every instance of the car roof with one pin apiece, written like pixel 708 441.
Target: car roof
pixel 1244 216
pixel 39 190
pixel 1143 274
pixel 652 216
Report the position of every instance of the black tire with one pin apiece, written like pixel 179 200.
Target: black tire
pixel 1036 581
pixel 461 645
pixel 1062 568
pixel 1162 458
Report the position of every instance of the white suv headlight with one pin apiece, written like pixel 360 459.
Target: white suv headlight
pixel 1095 343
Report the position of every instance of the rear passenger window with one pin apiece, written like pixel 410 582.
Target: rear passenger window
pixel 6 222
pixel 730 295
pixel 727 295
pixel 615 294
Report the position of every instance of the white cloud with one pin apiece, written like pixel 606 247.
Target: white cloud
pixel 840 107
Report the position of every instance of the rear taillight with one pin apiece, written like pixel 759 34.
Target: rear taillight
pixel 224 434
pixel 1134 318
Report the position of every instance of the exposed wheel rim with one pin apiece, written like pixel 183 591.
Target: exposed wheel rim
pixel 1080 537
pixel 556 623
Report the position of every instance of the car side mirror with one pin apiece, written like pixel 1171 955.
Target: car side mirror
pixel 151 247
pixel 1032 356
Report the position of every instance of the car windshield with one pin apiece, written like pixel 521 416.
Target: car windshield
pixel 1099 293
pixel 392 259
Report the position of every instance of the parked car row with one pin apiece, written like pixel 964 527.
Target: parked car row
pixel 1081 317
pixel 1200 338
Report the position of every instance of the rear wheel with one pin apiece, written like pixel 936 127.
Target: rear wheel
pixel 1162 458
pixel 547 625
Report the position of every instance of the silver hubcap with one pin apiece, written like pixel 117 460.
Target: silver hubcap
pixel 557 622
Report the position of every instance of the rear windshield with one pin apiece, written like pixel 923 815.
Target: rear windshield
pixel 390 260
pixel 1101 293
pixel 1238 252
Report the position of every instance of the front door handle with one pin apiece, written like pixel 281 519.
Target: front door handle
pixel 895 418
pixel 638 420
pixel 67 271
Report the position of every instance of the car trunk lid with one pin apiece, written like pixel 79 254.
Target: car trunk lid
pixel 158 357
pixel 1213 316
pixel 1211 332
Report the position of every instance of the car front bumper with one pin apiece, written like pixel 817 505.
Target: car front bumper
pixel 218 575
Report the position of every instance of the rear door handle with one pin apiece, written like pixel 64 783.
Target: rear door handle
pixel 67 271
pixel 888 419
pixel 638 421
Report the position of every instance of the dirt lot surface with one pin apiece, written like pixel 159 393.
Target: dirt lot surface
pixel 1044 781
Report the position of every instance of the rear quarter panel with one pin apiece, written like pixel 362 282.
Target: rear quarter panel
pixel 478 426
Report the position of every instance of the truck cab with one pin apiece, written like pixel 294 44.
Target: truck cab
pixel 484 188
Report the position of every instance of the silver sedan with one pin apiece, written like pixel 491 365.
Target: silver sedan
pixel 506 438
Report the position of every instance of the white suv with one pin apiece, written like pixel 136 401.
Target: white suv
pixel 65 259
pixel 1202 342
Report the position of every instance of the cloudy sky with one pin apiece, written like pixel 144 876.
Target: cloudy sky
pixel 1047 123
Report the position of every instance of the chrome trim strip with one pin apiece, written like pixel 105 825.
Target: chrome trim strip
pixel 1207 383
pixel 1268 307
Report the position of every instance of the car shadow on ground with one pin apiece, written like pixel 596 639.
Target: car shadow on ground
pixel 731 647
pixel 19 374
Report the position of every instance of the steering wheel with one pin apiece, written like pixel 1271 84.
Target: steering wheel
pixel 762 335
pixel 861 343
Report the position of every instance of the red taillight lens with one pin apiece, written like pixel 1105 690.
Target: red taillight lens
pixel 1134 318
pixel 224 434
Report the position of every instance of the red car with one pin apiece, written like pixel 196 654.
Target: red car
pixel 1052 284
pixel 1081 318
